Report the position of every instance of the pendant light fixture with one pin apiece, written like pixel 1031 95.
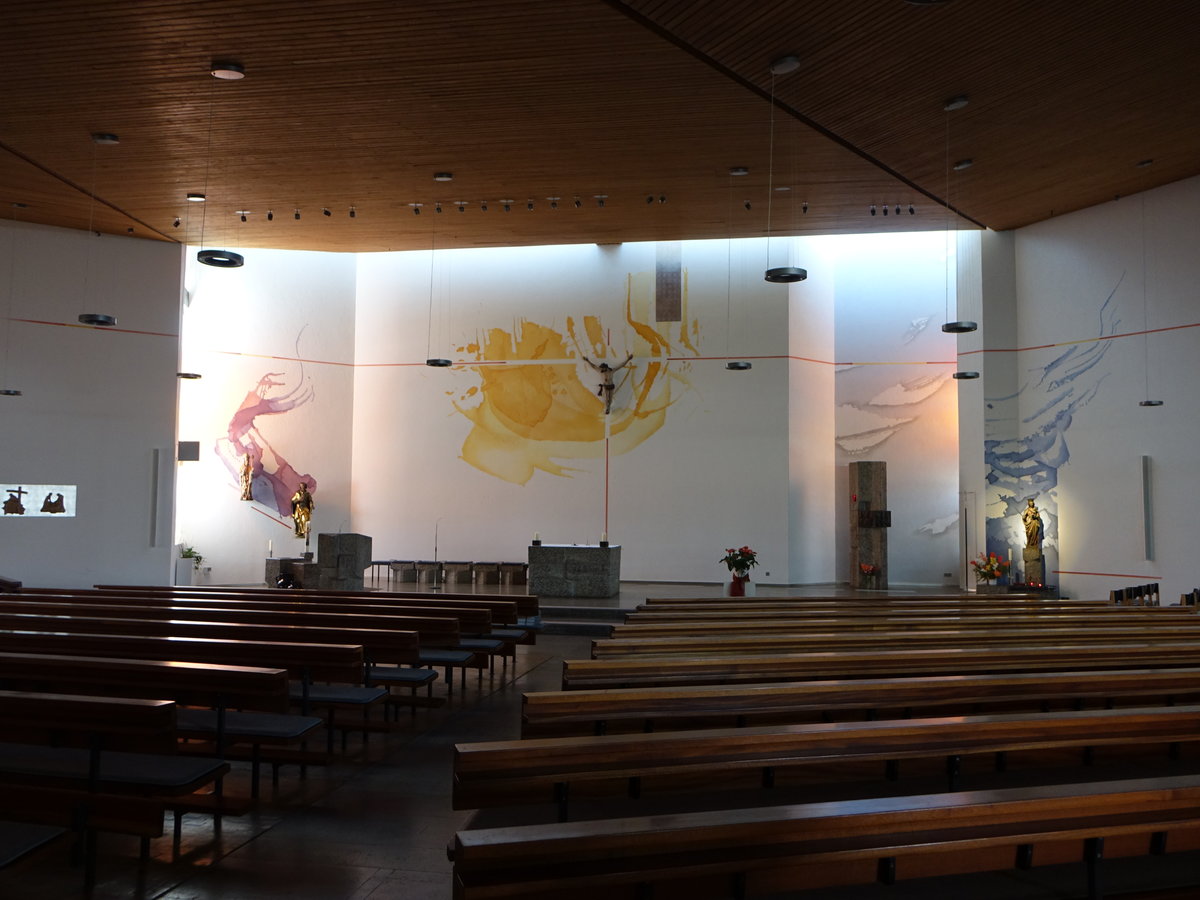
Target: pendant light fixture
pixel 437 362
pixel 1145 317
pixel 100 320
pixel 229 72
pixel 5 390
pixel 733 365
pixel 956 326
pixel 778 274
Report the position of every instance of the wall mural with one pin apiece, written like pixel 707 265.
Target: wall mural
pixel 549 409
pixel 271 478
pixel 1027 466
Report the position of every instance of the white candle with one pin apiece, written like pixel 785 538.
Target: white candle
pixel 535 536
pixel 270 549
pixel 604 537
pixel 1010 554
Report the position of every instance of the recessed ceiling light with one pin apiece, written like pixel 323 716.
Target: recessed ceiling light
pixel 738 171
pixel 443 176
pixel 956 103
pixel 103 137
pixel 785 64
pixel 228 71
pixel 1144 163
pixel 195 198
pixel 963 164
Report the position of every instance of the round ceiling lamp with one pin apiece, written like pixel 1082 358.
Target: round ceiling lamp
pixel 221 259
pixel 738 365
pixel 228 71
pixel 438 362
pixel 100 320
pixel 191 376
pixel 959 327
pixel 785 275
pixel 965 376
pixel 9 392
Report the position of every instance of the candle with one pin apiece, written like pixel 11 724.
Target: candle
pixel 536 537
pixel 1010 554
pixel 270 549
pixel 604 537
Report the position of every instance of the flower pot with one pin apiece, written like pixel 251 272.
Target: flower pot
pixel 737 586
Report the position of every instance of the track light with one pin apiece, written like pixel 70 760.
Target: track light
pixel 462 205
pixel 662 198
pixel 529 205
pixel 437 207
pixel 650 199
pixel 242 213
pixel 270 215
pixel 296 215
pixel 746 204
pixel 912 210
pixel 553 202
pixel 483 206
pixel 353 213
pixel 600 198
pixel 176 223
pixel 416 208
pixel 804 207
pixel 872 209
pixel 578 203
pixel 885 209
pixel 897 209
pixel 325 211
pixel 507 204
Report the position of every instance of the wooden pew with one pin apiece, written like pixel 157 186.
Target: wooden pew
pixel 490 774
pixel 780 614
pixel 881 602
pixel 635 672
pixel 774 850
pixel 685 625
pixel 223 706
pixel 546 713
pixel 107 745
pixel 445 635
pixel 785 641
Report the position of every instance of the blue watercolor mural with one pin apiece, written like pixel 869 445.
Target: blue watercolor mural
pixel 1026 465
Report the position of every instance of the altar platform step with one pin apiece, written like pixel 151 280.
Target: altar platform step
pixel 592 621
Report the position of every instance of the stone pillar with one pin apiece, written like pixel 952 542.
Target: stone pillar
pixel 869 522
pixel 1035 566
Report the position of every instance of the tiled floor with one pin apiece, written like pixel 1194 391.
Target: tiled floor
pixel 376 823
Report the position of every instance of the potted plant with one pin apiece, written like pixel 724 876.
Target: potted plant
pixel 189 552
pixel 187 566
pixel 988 567
pixel 739 561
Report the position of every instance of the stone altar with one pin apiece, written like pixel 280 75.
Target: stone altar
pixel 341 561
pixel 575 570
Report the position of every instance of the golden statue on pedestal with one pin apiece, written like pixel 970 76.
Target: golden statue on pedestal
pixel 1033 524
pixel 302 507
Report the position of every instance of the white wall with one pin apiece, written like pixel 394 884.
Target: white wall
pixel 98 404
pixel 1083 363
pixel 286 317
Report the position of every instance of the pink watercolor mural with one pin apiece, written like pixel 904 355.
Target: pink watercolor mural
pixel 274 479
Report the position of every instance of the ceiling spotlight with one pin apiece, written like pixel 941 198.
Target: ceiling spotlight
pixel 784 65
pixel 553 202
pixel 221 259
pixel 353 212
pixel 325 211
pixel 578 203
pixel 270 215
pixel 965 376
pixel 885 209
pixel 872 209
pixel 746 204
pixel 100 320
pixel 804 207
pixel 461 204
pixel 738 171
pixel 437 206
pixel 483 206
pixel 912 210
pixel 954 103
pixel 963 164
pixel 416 208
pixel 103 137
pixel 1150 403
pixel 529 205
pixel 507 205
pixel 662 198
pixel 228 71
pixel 897 209
pixel 195 198
pixel 296 215
pixel 9 392
pixel 600 198
pixel 175 224
pixel 443 176
pixel 650 198
pixel 785 275
pixel 242 213
pixel 738 365
pixel 959 327
pixel 438 363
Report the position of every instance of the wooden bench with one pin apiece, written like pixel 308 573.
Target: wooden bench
pixel 771 615
pixel 223 706
pixel 446 637
pixel 546 771
pixel 107 745
pixel 647 672
pixel 546 713
pixel 781 640
pixel 759 851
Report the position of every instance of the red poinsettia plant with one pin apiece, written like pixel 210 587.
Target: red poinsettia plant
pixel 989 566
pixel 740 560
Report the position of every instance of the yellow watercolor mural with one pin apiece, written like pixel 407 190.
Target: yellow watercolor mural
pixel 537 405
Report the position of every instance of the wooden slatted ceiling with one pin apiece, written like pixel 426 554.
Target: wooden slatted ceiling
pixel 359 102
